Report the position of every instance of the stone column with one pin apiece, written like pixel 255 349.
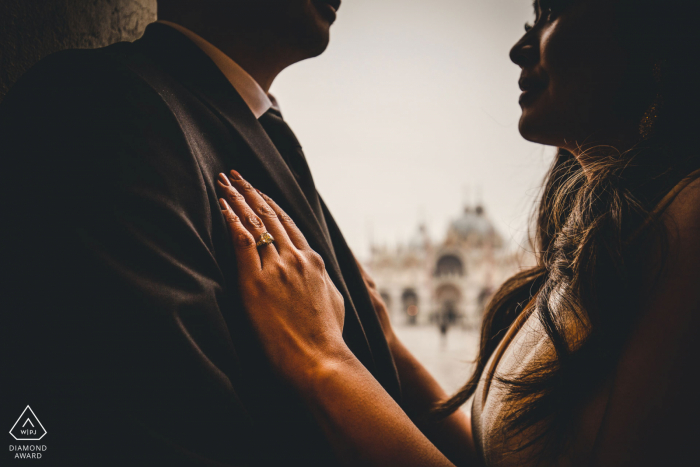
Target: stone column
pixel 32 29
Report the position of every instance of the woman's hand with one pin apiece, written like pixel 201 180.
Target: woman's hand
pixel 298 315
pixel 291 301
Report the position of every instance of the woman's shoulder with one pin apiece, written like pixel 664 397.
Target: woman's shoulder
pixel 652 411
pixel 682 215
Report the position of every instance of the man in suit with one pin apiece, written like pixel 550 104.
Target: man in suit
pixel 122 326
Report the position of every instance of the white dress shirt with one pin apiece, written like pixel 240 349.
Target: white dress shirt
pixel 251 92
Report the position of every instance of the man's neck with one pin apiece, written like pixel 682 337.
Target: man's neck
pixel 254 59
pixel 259 56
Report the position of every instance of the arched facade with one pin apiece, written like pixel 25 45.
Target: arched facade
pixel 449 265
pixel 426 282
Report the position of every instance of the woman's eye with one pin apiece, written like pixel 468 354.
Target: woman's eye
pixel 551 9
pixel 547 11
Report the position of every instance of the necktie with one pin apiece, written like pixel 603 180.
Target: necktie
pixel 288 146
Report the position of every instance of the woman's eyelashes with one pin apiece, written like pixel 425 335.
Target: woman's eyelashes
pixel 550 9
pixel 546 10
pixel 549 14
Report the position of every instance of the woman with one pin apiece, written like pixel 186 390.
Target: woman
pixel 586 358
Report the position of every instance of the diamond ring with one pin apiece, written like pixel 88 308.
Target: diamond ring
pixel 265 239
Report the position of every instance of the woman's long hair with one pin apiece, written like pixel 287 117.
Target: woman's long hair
pixel 593 236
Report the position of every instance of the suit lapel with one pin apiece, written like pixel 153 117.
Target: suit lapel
pixel 245 124
pixel 192 68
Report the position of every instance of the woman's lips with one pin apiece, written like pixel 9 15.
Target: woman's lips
pixel 531 89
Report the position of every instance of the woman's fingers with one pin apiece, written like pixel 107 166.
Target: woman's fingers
pixel 248 219
pixel 291 301
pixel 290 227
pixel 261 208
pixel 243 242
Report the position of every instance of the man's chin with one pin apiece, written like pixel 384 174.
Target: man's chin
pixel 315 41
pixel 319 50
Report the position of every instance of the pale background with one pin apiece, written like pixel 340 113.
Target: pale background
pixel 411 112
pixel 413 102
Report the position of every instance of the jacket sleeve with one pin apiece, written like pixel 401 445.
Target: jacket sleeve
pixel 112 285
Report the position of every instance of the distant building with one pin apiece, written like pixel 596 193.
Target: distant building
pixel 446 282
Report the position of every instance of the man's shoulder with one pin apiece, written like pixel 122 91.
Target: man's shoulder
pixel 88 60
pixel 81 75
pixel 76 104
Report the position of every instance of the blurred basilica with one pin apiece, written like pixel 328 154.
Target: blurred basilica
pixel 448 282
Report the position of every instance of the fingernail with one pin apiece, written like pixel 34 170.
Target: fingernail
pixel 223 204
pixel 259 192
pixel 224 179
pixel 235 175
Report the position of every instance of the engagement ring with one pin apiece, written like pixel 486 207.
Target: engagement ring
pixel 265 239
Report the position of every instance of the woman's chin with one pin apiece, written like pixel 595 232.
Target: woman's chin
pixel 537 130
pixel 530 130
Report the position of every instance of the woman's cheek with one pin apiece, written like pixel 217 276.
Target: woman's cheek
pixel 577 52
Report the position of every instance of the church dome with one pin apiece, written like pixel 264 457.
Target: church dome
pixel 473 223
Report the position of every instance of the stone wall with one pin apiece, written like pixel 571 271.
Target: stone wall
pixel 32 29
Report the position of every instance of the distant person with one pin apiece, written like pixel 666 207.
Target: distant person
pixel 447 317
pixel 122 322
pixel 588 358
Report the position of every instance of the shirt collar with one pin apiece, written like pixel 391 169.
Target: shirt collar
pixel 251 92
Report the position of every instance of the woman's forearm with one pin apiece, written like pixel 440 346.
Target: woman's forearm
pixel 420 391
pixel 364 424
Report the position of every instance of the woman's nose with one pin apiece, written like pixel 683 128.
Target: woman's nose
pixel 524 53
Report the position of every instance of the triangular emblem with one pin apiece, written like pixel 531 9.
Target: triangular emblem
pixel 27 427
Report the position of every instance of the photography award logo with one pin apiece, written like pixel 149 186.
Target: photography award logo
pixel 28 428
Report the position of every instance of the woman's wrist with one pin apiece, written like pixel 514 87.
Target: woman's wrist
pixel 316 369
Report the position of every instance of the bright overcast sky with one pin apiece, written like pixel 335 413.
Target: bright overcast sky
pixel 413 106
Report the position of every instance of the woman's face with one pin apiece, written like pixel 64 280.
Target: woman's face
pixel 573 70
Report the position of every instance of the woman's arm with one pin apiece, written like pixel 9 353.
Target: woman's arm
pixel 453 436
pixel 298 315
pixel 363 423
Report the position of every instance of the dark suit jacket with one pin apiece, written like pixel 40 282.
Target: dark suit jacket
pixel 122 325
